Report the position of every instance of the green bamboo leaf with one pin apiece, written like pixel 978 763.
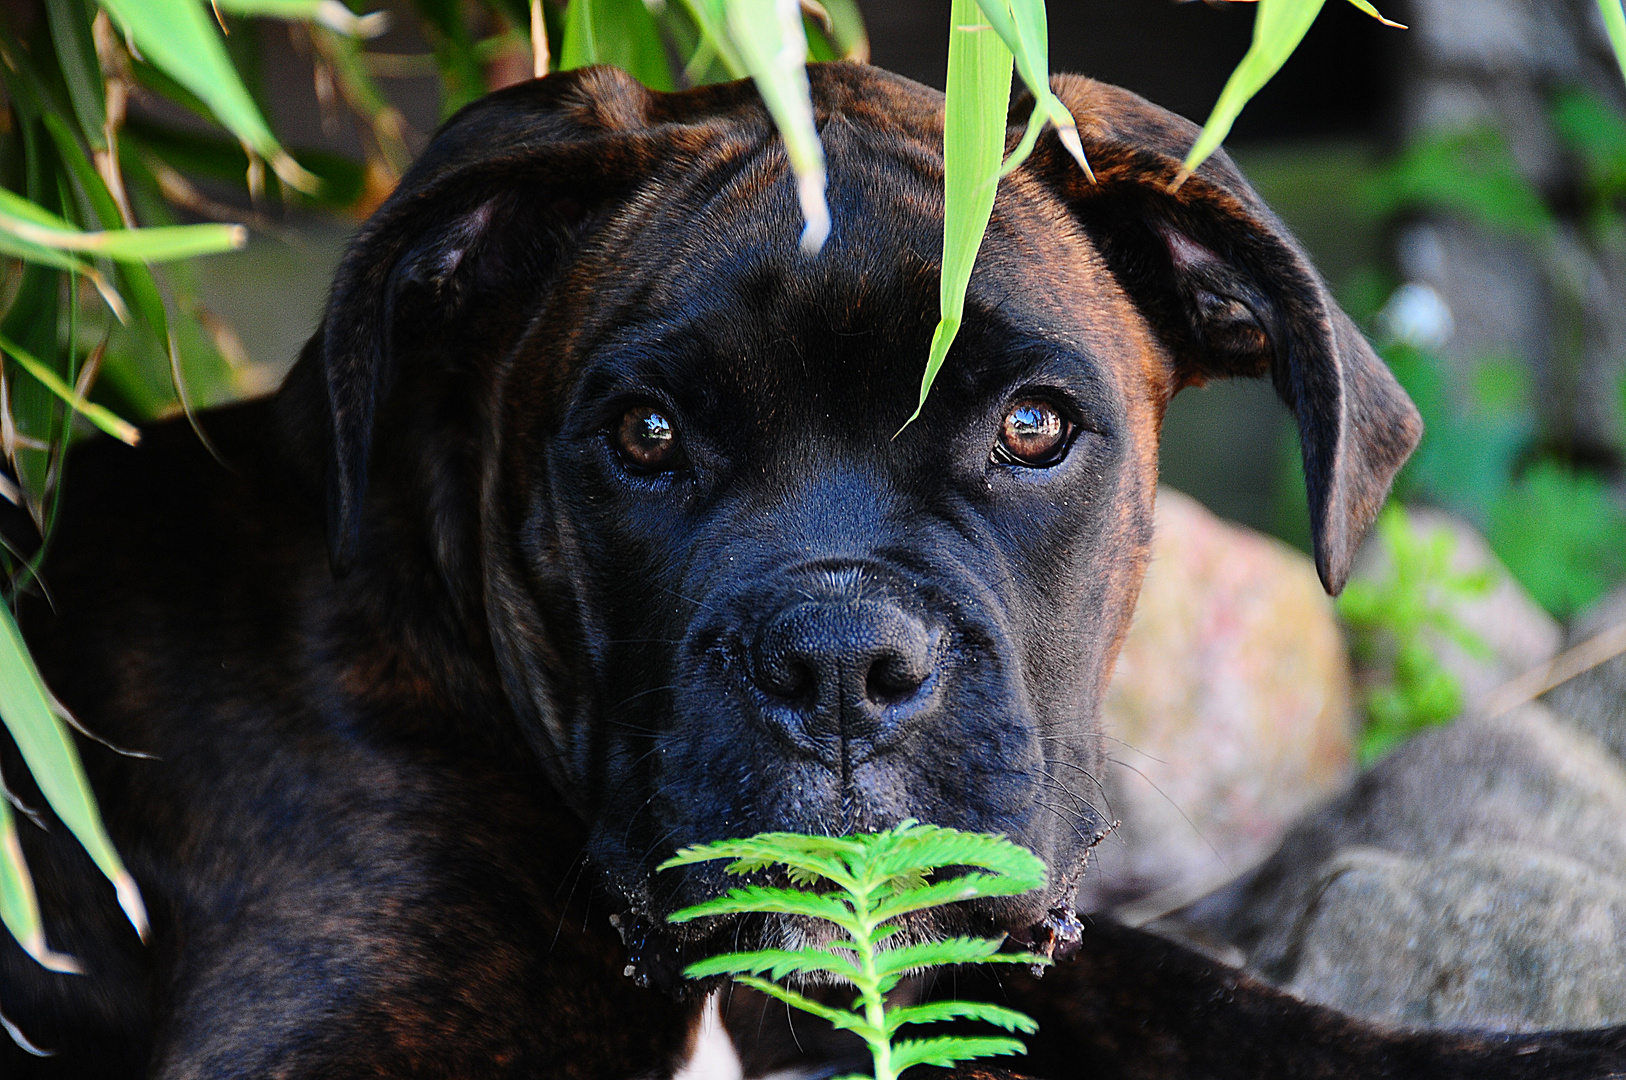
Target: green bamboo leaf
pixel 162 244
pixel 770 42
pixel 34 224
pixel 1372 11
pixel 136 279
pixel 981 1011
pixel 978 95
pixel 945 1050
pixel 1021 25
pixel 81 71
pixel 329 13
pixel 712 25
pixel 618 32
pixel 1278 27
pixel 1614 24
pixel 102 417
pixel 19 907
pixel 28 713
pixel 28 251
pixel 847 30
pixel 180 37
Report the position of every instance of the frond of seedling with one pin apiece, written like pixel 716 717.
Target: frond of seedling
pixel 860 884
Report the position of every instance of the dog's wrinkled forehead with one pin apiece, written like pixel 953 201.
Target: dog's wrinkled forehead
pixel 698 289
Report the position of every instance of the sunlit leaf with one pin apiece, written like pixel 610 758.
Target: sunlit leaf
pixel 768 36
pixel 1614 24
pixel 19 907
pixel 102 417
pixel 329 13
pixel 979 84
pixel 48 751
pixel 180 36
pixel 618 32
pixel 81 72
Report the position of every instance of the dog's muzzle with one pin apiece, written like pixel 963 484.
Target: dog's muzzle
pixel 839 677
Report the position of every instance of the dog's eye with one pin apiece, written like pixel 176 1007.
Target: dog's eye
pixel 1034 434
pixel 647 440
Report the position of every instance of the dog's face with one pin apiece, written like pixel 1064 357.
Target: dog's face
pixel 658 448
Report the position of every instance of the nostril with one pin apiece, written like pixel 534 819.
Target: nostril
pixel 892 679
pixel 791 679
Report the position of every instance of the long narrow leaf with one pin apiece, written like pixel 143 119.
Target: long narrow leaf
pixel 19 907
pixel 709 20
pixel 1278 27
pixel 19 248
pixel 49 753
pixel 163 244
pixel 329 13
pixel 770 41
pixel 979 87
pixel 1021 24
pixel 103 418
pixel 81 71
pixel 180 37
pixel 619 32
pixel 1614 24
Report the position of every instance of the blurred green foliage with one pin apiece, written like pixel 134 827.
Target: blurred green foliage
pixel 1398 621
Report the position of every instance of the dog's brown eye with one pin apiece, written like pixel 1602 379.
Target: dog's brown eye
pixel 647 439
pixel 1034 433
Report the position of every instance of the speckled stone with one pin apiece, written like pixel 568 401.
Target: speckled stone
pixel 1504 937
pixel 1476 876
pixel 1229 709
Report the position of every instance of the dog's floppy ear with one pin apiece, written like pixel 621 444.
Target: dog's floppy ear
pixel 492 205
pixel 1231 293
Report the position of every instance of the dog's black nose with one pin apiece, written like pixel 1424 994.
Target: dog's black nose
pixel 842 668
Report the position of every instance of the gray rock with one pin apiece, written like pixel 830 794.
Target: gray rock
pixel 1502 937
pixel 1595 700
pixel 1500 847
pixel 1229 709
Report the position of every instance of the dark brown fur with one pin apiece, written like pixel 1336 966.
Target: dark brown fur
pixel 431 685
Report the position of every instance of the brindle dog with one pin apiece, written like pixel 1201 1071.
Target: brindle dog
pixel 583 530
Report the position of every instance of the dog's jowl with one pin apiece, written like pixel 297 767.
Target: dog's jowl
pixel 584 529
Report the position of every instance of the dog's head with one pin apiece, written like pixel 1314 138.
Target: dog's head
pixel 654 448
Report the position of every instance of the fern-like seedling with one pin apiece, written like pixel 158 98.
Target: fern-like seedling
pixel 861 884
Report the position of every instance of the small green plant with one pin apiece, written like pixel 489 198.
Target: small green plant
pixel 1400 618
pixel 861 884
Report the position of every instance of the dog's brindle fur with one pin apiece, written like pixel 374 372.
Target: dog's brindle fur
pixel 433 678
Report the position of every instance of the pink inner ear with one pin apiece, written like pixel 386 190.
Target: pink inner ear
pixel 1186 252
